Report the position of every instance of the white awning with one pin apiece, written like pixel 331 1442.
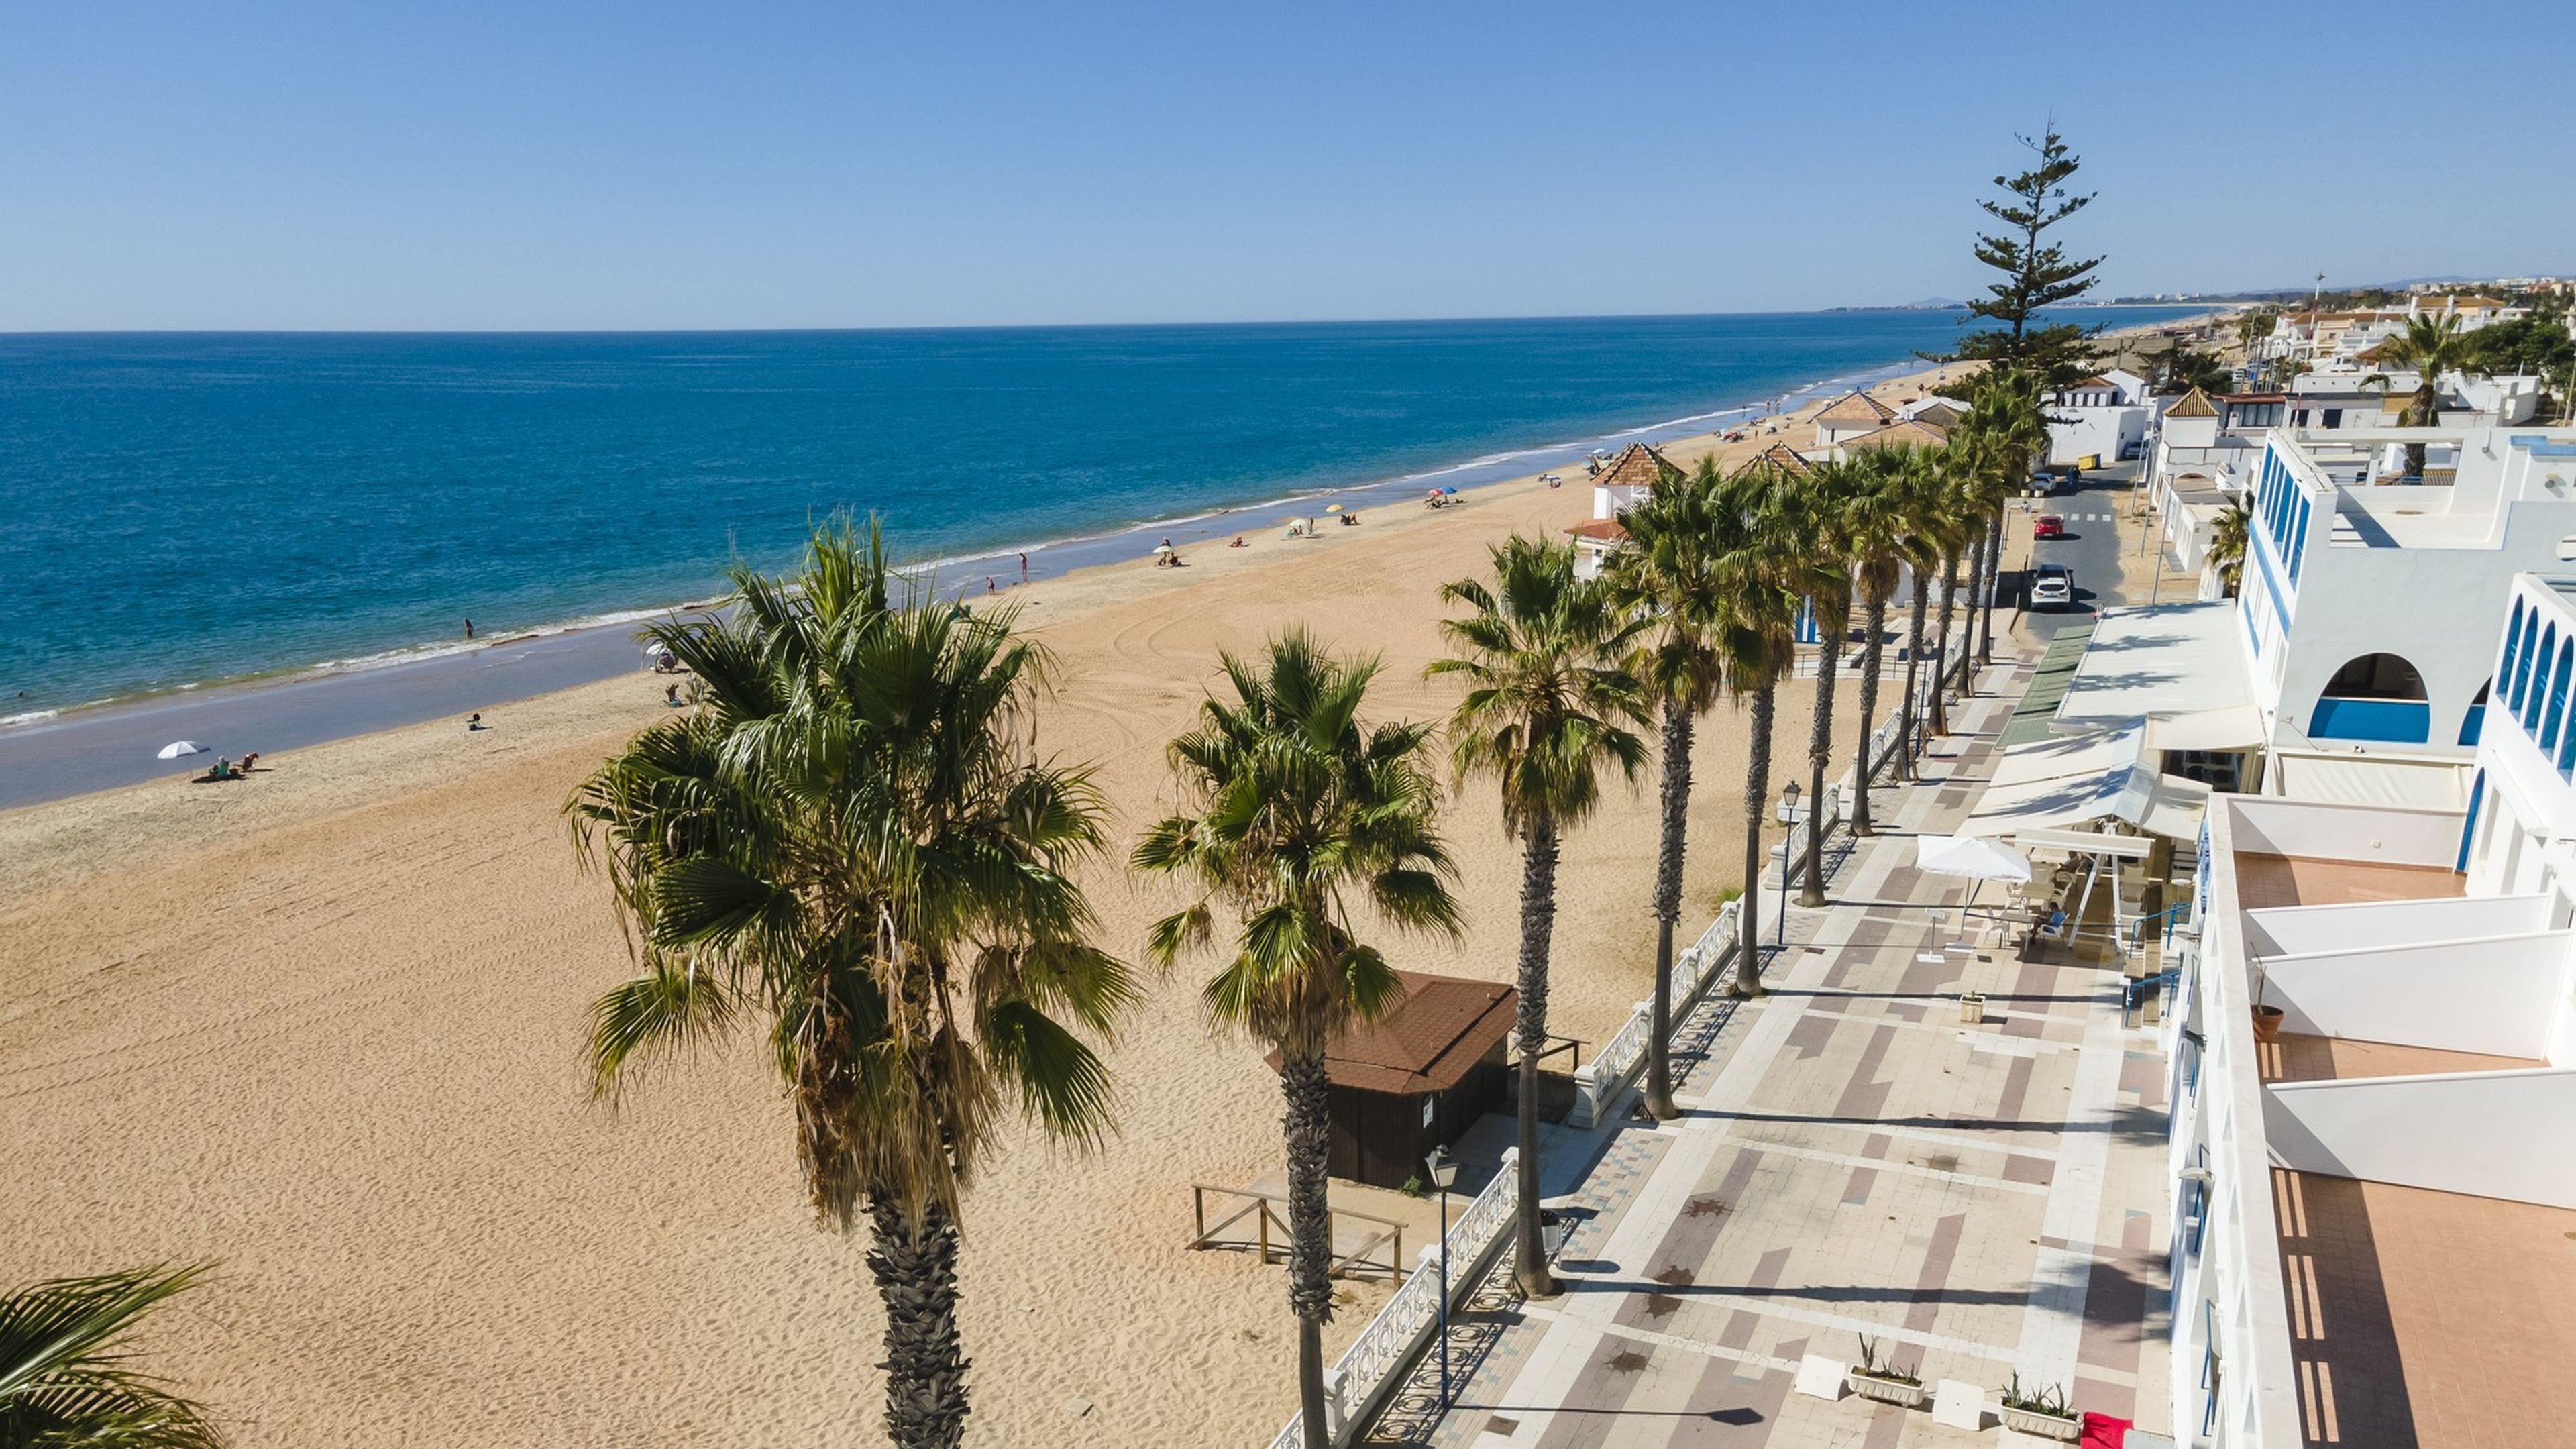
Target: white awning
pixel 2069 782
pixel 2084 842
pixel 2399 783
pixel 2234 727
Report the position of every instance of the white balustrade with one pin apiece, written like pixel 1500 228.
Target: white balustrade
pixel 1412 1315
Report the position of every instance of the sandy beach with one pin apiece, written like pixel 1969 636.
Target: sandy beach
pixel 326 1026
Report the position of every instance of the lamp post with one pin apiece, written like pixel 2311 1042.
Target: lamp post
pixel 1444 1173
pixel 1788 808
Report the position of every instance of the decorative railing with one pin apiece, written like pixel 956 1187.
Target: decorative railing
pixel 1377 1359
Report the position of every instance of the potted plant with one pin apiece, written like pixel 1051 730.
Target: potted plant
pixel 1972 1007
pixel 2267 1019
pixel 1883 1380
pixel 2043 1413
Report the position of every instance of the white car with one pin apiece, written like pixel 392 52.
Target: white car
pixel 2053 587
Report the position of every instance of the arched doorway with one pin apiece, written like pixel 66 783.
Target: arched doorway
pixel 2374 697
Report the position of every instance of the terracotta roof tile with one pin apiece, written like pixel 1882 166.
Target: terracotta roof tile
pixel 1785 458
pixel 1637 466
pixel 1922 434
pixel 1856 407
pixel 2193 404
pixel 1602 528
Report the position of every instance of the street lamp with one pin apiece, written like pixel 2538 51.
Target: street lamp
pixel 1444 1175
pixel 1789 808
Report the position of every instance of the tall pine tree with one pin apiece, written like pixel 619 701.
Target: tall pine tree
pixel 2037 273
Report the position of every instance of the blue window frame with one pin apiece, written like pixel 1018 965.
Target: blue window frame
pixel 2512 637
pixel 2522 664
pixel 2554 713
pixel 2469 827
pixel 2534 698
pixel 2298 537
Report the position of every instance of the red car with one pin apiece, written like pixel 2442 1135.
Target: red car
pixel 2048 525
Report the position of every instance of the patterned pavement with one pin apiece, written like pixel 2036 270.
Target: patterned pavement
pixel 1982 1200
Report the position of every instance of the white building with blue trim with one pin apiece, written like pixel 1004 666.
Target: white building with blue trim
pixel 2363 586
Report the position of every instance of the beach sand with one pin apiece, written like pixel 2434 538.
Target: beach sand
pixel 326 1028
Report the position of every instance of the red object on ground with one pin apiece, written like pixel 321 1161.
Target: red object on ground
pixel 2101 1431
pixel 2048 525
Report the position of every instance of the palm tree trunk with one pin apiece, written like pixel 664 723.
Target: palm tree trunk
pixel 1668 903
pixel 1909 737
pixel 1307 1125
pixel 1941 642
pixel 915 1267
pixel 1538 923
pixel 1757 773
pixel 2427 405
pixel 1820 750
pixel 1986 594
pixel 1874 617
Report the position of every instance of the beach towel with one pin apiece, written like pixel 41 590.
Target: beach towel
pixel 2101 1431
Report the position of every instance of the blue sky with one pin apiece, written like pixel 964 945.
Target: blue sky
pixel 461 165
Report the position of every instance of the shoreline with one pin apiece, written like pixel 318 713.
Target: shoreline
pixel 73 750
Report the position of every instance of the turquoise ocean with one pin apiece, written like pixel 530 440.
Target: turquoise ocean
pixel 179 509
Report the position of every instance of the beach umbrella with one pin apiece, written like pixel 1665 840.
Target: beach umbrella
pixel 177 748
pixel 1448 490
pixel 1332 508
pixel 1972 856
pixel 1162 548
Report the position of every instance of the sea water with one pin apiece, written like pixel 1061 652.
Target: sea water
pixel 182 508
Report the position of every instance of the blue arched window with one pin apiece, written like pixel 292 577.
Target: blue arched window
pixel 2474 723
pixel 2554 713
pixel 2512 638
pixel 2522 664
pixel 2374 697
pixel 2533 698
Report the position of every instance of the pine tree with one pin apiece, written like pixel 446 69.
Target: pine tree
pixel 2037 273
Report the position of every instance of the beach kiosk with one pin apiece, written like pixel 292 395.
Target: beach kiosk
pixel 1416 1077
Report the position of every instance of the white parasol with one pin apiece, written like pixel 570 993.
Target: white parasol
pixel 179 748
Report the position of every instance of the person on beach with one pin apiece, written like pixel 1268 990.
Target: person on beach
pixel 671 696
pixel 469 630
pixel 1024 568
pixel 1238 542
pixel 249 760
pixel 474 721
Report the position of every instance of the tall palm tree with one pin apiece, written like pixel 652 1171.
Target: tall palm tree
pixel 1824 500
pixel 1881 541
pixel 1951 521
pixel 1931 511
pixel 1770 562
pixel 1296 807
pixel 2004 433
pixel 2227 546
pixel 1667 574
pixel 2432 345
pixel 1548 700
pixel 854 838
pixel 67 1380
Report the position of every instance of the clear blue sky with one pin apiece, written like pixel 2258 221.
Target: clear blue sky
pixel 532 165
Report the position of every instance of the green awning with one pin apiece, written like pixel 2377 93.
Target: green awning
pixel 2037 711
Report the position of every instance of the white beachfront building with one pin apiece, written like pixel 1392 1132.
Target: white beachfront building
pixel 2358 589
pixel 2375 1184
pixel 1850 416
pixel 2104 416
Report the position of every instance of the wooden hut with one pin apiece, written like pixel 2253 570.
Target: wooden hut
pixel 1416 1077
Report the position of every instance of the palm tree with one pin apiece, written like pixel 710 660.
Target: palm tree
pixel 1880 538
pixel 2004 432
pixel 1825 499
pixel 1299 806
pixel 66 1378
pixel 1548 697
pixel 2227 546
pixel 1667 574
pixel 854 838
pixel 1951 522
pixel 1770 561
pixel 1930 515
pixel 2432 345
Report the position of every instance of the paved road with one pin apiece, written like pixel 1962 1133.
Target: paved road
pixel 2096 545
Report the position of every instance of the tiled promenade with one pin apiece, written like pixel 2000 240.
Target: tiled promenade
pixel 1982 1200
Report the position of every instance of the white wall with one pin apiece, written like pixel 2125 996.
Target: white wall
pixel 2300 930
pixel 2323 831
pixel 2494 996
pixel 2489 1134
